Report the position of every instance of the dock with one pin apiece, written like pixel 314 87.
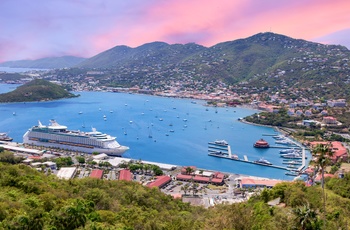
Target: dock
pixel 247 161
pixel 284 147
pixel 224 151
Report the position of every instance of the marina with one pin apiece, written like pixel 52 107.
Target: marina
pixel 145 136
pixel 217 149
pixel 295 162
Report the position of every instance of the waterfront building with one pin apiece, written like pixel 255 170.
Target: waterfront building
pixel 160 182
pixel 97 174
pixel 247 182
pixel 261 144
pixel 66 173
pixel 125 174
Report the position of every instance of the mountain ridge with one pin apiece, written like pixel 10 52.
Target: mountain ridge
pixel 45 63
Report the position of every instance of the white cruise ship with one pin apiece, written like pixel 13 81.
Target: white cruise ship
pixel 55 135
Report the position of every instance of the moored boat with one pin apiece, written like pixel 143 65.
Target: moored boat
pixel 5 137
pixel 293 155
pixel 58 136
pixel 262 161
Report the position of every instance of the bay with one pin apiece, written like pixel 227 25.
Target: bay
pixel 180 128
pixel 19 70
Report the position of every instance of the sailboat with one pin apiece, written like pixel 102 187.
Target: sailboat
pixel 149 133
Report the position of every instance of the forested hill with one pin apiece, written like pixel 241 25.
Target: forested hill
pixel 45 63
pixel 36 90
pixel 261 60
pixel 33 200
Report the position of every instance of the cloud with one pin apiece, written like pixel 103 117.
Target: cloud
pixel 337 38
pixel 87 27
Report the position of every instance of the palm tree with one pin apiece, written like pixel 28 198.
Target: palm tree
pixel 189 170
pixel 322 153
pixel 306 217
pixel 185 188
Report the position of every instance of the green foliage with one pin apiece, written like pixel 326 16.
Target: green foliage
pixel 36 90
pixel 9 157
pixel 31 200
pixel 63 161
pixel 275 119
pixel 340 186
pixel 81 160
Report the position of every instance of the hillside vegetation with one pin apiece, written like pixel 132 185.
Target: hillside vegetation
pixel 32 200
pixel 36 90
pixel 263 62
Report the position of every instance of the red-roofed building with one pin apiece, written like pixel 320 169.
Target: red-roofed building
pixel 160 182
pixel 309 170
pixel 125 174
pixel 256 183
pixel 201 179
pixel 184 171
pixel 96 173
pixel 217 181
pixel 330 120
pixel 35 157
pixel 319 176
pixel 218 178
pixel 183 177
pixel 219 175
pixel 339 151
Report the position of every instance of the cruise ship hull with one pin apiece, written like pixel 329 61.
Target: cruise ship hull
pixel 57 136
pixel 112 152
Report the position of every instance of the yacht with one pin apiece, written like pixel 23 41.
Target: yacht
pixel 221 142
pixel 262 161
pixel 58 136
pixel 5 137
pixel 293 155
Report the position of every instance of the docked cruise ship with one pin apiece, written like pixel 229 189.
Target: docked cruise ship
pixel 58 136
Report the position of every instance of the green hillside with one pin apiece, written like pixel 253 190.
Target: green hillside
pixel 36 90
pixel 32 200
pixel 263 62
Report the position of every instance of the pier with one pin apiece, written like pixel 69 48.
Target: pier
pixel 284 147
pixel 247 161
pixel 224 151
pixel 228 155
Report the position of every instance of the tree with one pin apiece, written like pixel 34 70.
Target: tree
pixel 306 217
pixel 189 170
pixel 81 160
pixel 323 153
pixel 185 188
pixel 195 188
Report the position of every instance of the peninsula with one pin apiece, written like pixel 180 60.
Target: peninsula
pixel 36 90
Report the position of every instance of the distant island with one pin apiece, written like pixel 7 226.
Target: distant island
pixel 36 90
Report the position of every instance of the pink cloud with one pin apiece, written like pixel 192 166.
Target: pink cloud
pixel 51 28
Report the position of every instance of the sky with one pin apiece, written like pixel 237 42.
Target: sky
pixel 53 28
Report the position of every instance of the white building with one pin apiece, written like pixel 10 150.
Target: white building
pixel 66 173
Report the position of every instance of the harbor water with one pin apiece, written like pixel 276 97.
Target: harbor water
pixel 167 130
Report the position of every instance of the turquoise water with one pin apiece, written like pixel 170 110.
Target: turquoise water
pixel 138 116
